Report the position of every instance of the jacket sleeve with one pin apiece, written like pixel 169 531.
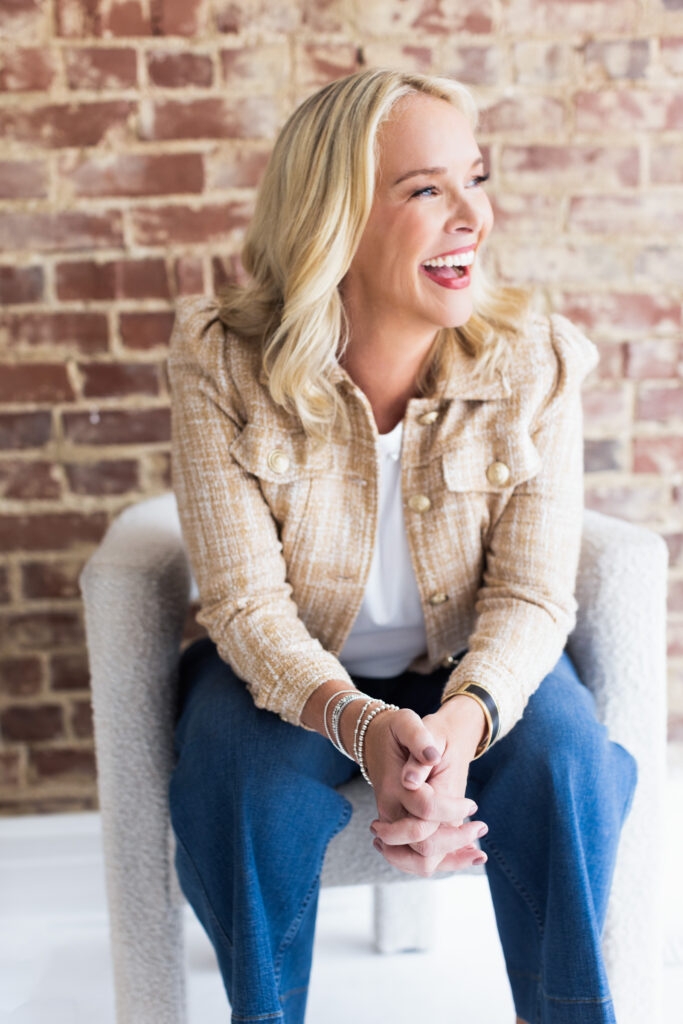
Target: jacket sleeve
pixel 231 536
pixel 525 607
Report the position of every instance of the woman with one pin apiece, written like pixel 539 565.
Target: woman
pixel 378 463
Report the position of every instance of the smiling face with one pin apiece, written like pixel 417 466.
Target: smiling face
pixel 428 204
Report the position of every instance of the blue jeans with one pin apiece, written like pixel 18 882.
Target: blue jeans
pixel 253 805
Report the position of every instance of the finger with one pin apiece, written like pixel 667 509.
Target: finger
pixel 414 773
pixel 433 802
pixel 468 856
pixel 403 858
pixel 447 839
pixel 410 731
pixel 404 831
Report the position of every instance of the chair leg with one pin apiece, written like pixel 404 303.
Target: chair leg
pixel 404 916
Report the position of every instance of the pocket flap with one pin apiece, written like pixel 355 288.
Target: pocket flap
pixel 279 458
pixel 493 466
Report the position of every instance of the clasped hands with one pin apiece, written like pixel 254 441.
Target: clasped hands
pixel 418 767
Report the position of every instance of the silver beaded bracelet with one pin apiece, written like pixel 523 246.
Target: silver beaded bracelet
pixel 359 743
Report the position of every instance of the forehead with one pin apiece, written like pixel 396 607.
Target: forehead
pixel 425 129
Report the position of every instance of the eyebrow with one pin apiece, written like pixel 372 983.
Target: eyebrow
pixel 433 170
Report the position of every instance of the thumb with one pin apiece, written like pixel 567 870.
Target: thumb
pixel 422 749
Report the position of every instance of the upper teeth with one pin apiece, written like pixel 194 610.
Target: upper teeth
pixel 458 259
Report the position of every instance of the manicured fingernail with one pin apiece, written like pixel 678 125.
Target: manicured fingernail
pixel 411 777
pixel 482 831
pixel 377 843
pixel 480 860
pixel 430 753
pixel 373 830
pixel 472 811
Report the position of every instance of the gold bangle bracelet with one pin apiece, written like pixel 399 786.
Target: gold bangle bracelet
pixel 483 744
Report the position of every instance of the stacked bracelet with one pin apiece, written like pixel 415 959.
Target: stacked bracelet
pixel 337 696
pixel 359 737
pixel 488 706
pixel 336 716
pixel 343 698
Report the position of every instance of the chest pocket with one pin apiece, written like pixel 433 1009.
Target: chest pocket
pixel 494 465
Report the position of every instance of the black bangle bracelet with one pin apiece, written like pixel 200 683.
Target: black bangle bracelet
pixel 490 704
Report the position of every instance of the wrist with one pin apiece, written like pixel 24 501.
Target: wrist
pixel 465 722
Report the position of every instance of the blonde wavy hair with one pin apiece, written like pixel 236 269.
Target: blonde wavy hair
pixel 312 206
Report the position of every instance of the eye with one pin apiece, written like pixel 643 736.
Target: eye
pixel 428 190
pixel 479 179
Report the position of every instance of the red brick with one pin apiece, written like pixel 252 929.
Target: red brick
pixel 116 279
pixel 652 357
pixel 23 179
pixel 51 531
pixel 666 164
pixel 213 117
pixel 80 332
pixel 674 647
pixel 51 579
pixel 674 728
pixel 478 65
pixel 146 330
pixel 133 174
pixel 110 476
pixel 605 406
pixel 20 284
pixel 10 768
pixel 128 18
pixel 35 382
pixel 440 17
pixel 99 68
pixel 623 58
pixel 324 15
pixel 522 113
pixel 320 63
pixel 173 70
pixel 660 263
pixel 25 480
pixel 386 52
pixel 645 215
pixel 267 65
pixel 632 110
pixel 522 212
pixel 675 596
pixel 26 69
pixel 67 124
pixel 38 631
pixel 639 502
pixel 59 232
pixel 603 455
pixel 4 585
pixel 21 19
pixel 24 429
pixel 178 225
pixel 523 17
pixel 82 719
pixel 67 763
pixel 236 167
pixel 188 274
pixel 78 18
pixel 226 270
pixel 20 677
pixel 69 671
pixel 234 16
pixel 553 168
pixel 657 454
pixel 537 61
pixel 660 403
pixel 611 365
pixel 562 263
pixel 632 310
pixel 104 380
pixel 176 17
pixel 674 542
pixel 671 51
pixel 37 722
pixel 118 426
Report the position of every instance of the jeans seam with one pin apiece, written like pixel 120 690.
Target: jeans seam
pixel 275 1015
pixel 290 934
pixel 209 904
pixel 521 890
pixel 558 999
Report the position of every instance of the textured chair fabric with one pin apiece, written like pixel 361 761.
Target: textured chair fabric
pixel 137 587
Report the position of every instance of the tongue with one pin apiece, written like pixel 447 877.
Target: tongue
pixel 447 272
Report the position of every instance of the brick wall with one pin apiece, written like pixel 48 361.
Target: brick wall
pixel 134 132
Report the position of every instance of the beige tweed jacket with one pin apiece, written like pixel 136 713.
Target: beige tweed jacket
pixel 280 537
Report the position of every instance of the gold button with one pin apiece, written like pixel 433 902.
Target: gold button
pixel 498 473
pixel 428 417
pixel 438 598
pixel 278 461
pixel 419 502
pixel 448 661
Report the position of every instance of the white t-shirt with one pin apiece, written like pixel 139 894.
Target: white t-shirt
pixel 389 631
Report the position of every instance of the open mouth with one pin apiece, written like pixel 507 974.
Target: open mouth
pixel 451 271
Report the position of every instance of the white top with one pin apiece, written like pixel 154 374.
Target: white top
pixel 389 631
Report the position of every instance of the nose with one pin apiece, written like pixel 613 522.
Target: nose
pixel 465 215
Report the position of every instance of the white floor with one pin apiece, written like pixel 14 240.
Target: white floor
pixel 54 943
